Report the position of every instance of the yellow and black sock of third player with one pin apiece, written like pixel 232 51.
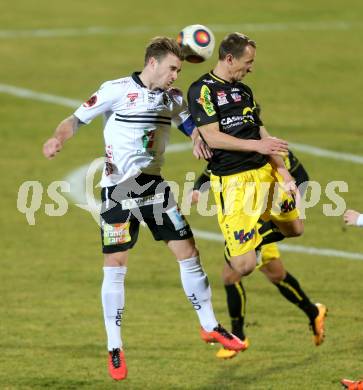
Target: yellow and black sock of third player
pixel 236 302
pixel 291 290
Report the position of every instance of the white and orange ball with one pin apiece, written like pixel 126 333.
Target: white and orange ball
pixel 197 43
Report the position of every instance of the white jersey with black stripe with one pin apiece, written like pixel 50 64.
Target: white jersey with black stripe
pixel 137 124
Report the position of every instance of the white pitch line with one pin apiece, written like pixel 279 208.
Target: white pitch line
pixel 102 30
pixel 210 236
pixel 313 150
pixel 173 148
pixel 43 97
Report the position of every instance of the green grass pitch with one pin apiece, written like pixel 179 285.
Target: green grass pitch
pixel 308 79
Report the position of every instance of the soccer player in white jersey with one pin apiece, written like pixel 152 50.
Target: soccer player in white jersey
pixel 138 112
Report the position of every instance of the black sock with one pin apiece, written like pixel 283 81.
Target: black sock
pixel 270 233
pixel 291 290
pixel 236 302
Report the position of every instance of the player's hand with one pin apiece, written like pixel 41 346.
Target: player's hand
pixel 194 196
pixel 289 181
pixel 272 145
pixel 201 149
pixel 51 148
pixel 350 217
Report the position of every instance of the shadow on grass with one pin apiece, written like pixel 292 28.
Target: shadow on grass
pixel 229 375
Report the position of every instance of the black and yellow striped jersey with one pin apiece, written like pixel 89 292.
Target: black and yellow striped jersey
pixel 232 106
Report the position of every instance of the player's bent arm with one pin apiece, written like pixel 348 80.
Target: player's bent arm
pixel 200 149
pixel 64 131
pixel 218 140
pixel 277 161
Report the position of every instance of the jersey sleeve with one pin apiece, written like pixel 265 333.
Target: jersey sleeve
pixel 181 115
pixel 201 106
pixel 99 103
pixel 256 108
pixel 202 183
pixel 256 111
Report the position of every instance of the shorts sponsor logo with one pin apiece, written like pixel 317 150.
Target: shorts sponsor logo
pixel 243 237
pixel 118 233
pixel 205 101
pixel 128 204
pixel 176 218
pixel 90 102
pixel 288 205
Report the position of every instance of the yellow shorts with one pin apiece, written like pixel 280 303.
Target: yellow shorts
pixel 245 197
pixel 269 252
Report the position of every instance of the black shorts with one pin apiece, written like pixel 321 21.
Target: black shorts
pixel 147 198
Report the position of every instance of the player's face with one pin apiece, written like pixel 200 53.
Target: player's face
pixel 166 71
pixel 240 67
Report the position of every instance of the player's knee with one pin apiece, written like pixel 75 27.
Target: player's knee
pixel 248 269
pixel 295 230
pixel 276 277
pixel 231 277
pixel 245 268
pixel 188 252
pixel 116 259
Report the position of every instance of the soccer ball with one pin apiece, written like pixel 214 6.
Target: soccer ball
pixel 197 43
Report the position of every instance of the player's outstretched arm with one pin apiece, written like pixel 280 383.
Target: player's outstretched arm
pixel 65 130
pixel 353 218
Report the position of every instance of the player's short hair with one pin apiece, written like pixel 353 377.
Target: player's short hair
pixel 159 47
pixel 235 44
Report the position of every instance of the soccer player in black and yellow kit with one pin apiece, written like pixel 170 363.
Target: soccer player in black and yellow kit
pixel 244 153
pixel 273 268
pixel 248 176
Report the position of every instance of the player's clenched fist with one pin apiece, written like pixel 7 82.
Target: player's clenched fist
pixel 51 148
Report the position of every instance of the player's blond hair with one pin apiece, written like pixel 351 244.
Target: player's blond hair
pixel 159 47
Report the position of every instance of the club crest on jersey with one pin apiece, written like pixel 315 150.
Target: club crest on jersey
pixel 236 97
pixel 221 98
pixel 132 96
pixel 151 97
pixel 91 101
pixel 166 99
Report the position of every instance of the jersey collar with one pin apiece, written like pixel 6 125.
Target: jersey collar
pixel 136 78
pixel 211 73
